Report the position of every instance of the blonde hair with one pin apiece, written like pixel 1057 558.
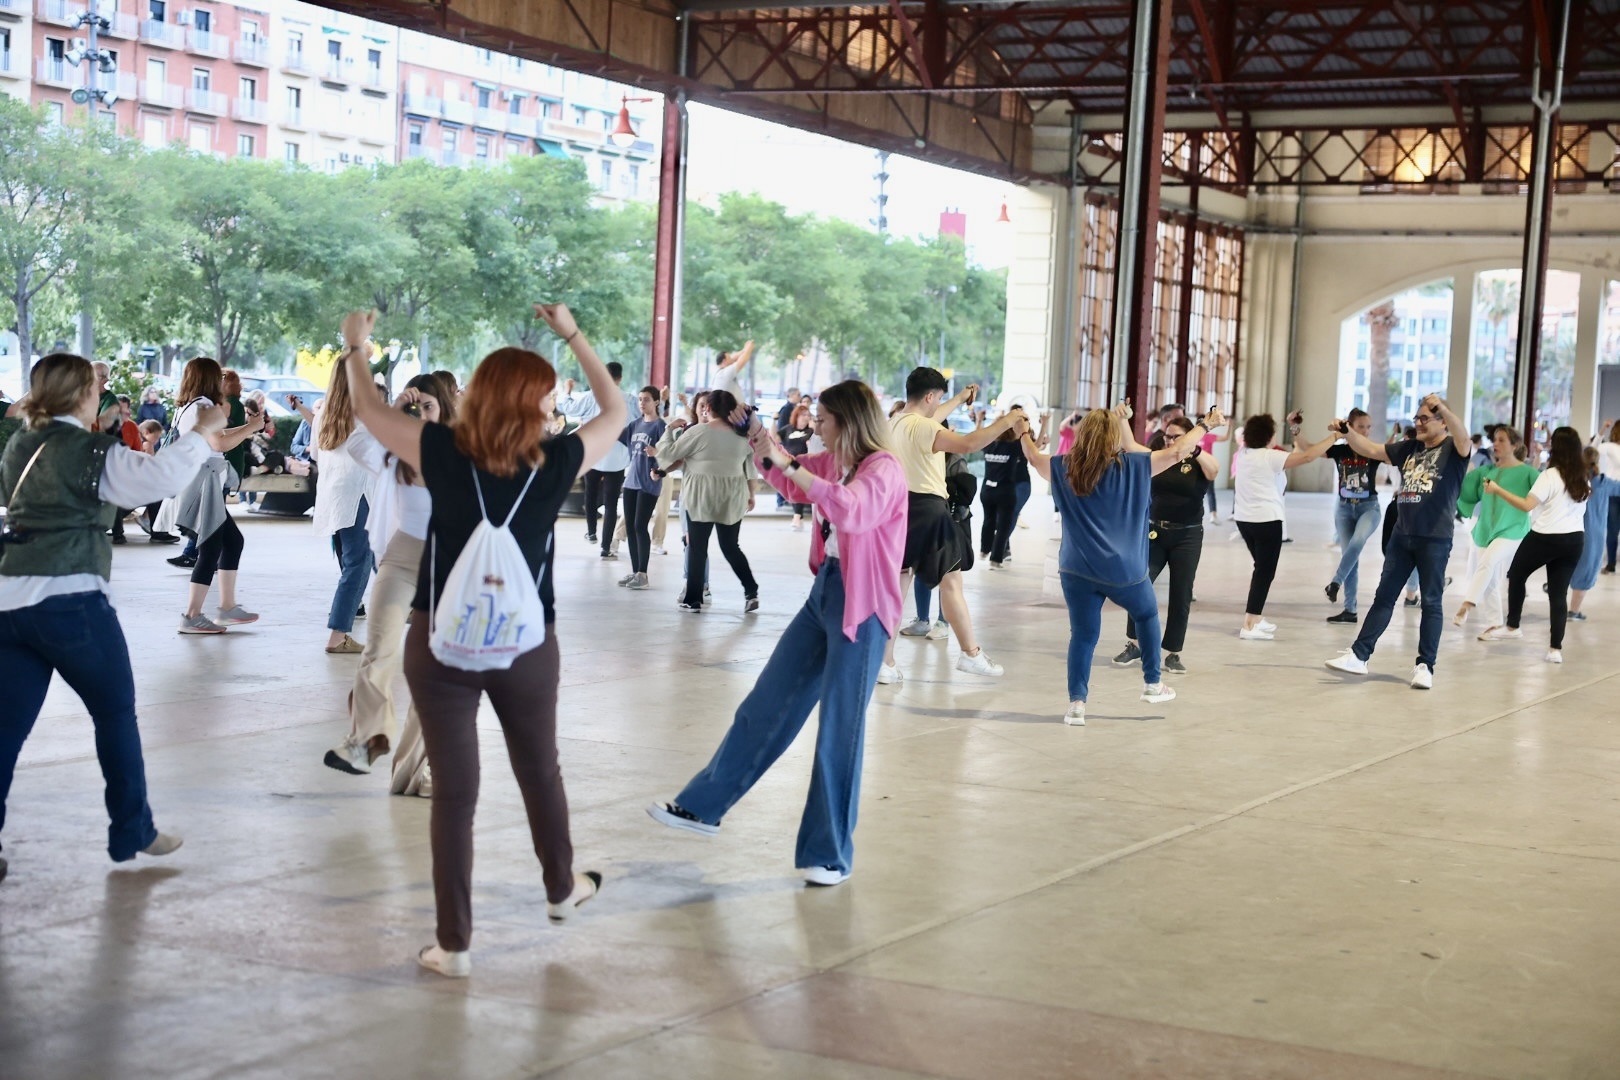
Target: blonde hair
pixel 337 419
pixel 1096 448
pixel 862 429
pixel 57 386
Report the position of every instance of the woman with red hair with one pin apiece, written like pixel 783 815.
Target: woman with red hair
pixel 521 477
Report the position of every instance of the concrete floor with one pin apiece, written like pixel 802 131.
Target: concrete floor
pixel 1276 875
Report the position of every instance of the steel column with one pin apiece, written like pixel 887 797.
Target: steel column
pixel 1189 252
pixel 1139 203
pixel 1537 225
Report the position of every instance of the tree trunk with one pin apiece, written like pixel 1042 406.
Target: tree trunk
pixel 171 353
pixel 25 334
pixel 1381 320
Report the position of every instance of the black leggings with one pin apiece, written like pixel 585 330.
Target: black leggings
pixel 1000 515
pixel 221 551
pixel 602 489
pixel 638 512
pixel 1264 539
pixel 1559 553
pixel 1180 549
pixel 697 558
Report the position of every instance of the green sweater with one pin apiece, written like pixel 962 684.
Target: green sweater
pixel 1497 520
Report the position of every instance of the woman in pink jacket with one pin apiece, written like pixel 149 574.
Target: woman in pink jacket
pixel 830 654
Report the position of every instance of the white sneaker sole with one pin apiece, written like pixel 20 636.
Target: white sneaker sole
pixel 675 821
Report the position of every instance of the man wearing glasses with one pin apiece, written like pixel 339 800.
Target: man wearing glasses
pixel 1432 468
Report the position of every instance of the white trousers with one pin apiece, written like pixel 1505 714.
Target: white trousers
pixel 1487 578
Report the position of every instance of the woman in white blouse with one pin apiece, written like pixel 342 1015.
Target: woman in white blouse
pixel 340 505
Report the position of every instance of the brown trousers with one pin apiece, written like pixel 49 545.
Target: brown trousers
pixel 525 700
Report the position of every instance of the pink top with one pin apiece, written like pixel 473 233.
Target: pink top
pixel 870 513
pixel 1066 439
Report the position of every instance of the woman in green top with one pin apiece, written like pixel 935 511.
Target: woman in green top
pixel 1498 528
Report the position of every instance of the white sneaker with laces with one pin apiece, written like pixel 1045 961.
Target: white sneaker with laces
pixel 1501 633
pixel 453 965
pixel 1255 634
pixel 889 675
pixel 1555 656
pixel 978 664
pixel 825 876
pixel 657 549
pixel 350 757
pixel 1157 693
pixel 1076 716
pixel 939 631
pixel 1422 677
pixel 586 885
pixel 1267 625
pixel 1349 663
pixel 918 628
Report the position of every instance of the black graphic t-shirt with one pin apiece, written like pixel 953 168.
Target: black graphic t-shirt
pixel 1431 480
pixel 1005 467
pixel 1357 474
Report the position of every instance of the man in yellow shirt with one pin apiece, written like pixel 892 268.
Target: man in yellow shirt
pixel 934 546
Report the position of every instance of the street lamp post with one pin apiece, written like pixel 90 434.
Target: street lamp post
pixel 96 60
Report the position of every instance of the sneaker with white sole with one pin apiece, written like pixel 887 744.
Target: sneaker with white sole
pixel 1554 656
pixel 1076 716
pixel 349 756
pixel 918 628
pixel 825 876
pixel 978 664
pixel 586 885
pixel 1129 655
pixel 1157 693
pixel 1267 625
pixel 1502 633
pixel 750 604
pixel 1255 634
pixel 199 624
pixel 1422 677
pixel 889 675
pixel 627 579
pixel 164 844
pixel 1173 665
pixel 677 818
pixel 939 631
pixel 453 965
pixel 657 549
pixel 424 790
pixel 1349 663
pixel 638 582
pixel 235 616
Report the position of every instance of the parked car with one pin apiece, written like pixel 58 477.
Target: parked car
pixel 278 388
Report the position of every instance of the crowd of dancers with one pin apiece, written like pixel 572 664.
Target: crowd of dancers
pixel 426 489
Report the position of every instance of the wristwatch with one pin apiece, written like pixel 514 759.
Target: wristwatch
pixel 792 465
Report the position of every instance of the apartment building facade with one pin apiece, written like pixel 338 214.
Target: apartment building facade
pixel 292 82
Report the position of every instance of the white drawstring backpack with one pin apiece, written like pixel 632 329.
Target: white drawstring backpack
pixel 490 613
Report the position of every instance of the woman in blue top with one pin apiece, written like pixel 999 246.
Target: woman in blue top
pixel 1102 495
pixel 1599 509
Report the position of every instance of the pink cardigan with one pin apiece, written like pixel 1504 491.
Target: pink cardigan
pixel 870 514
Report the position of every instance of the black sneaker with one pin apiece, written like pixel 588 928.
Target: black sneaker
pixel 1413 601
pixel 1172 664
pixel 360 612
pixel 590 538
pixel 1344 617
pixel 1128 656
pixel 183 561
pixel 119 538
pixel 1332 591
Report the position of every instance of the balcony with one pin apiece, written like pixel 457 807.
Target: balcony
pixel 119 25
pixel 206 101
pixel 250 111
pixel 209 43
pixel 17 9
pixel 373 79
pixel 56 73
pixel 295 63
pixel 59 12
pixel 458 112
pixel 333 123
pixel 527 126
pixel 418 103
pixel 338 70
pixel 491 119
pixel 116 82
pixel 376 134
pixel 163 35
pixel 418 152
pixel 294 119
pixel 254 52
pixel 12 66
pixel 163 94
pixel 453 158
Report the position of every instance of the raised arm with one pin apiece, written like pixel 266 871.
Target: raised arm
pixel 963 396
pixel 1372 451
pixel 1183 447
pixel 1458 430
pixel 949 442
pixel 1127 438
pixel 601 431
pixel 1038 459
pixel 400 433
pixel 1310 451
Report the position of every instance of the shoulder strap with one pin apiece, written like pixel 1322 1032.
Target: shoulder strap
pixel 26 468
pixel 484 512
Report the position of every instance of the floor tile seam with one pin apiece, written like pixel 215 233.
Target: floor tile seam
pixel 148 748
pixel 1403 835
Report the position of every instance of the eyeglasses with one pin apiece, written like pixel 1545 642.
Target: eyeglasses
pixel 1425 418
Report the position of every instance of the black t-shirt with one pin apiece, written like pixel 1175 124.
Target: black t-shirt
pixel 1005 467
pixel 1431 480
pixel 796 441
pixel 1357 475
pixel 448 475
pixel 1178 494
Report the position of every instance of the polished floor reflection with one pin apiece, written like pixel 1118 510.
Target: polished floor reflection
pixel 1279 874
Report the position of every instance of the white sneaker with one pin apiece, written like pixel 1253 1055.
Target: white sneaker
pixel 350 757
pixel 939 631
pixel 454 965
pixel 1501 633
pixel 1555 656
pixel 586 885
pixel 424 790
pixel 1422 677
pixel 1349 663
pixel 1076 716
pixel 919 628
pixel 1156 693
pixel 1256 634
pixel 825 876
pixel 657 549
pixel 978 665
pixel 1267 625
pixel 165 844
pixel 889 675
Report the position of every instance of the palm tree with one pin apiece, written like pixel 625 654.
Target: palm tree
pixel 1381 318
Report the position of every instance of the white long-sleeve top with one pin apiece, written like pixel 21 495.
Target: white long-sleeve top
pixel 342 481
pixel 128 478
pixel 394 506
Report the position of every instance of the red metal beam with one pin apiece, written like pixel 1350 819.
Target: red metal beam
pixel 667 252
pixel 918 60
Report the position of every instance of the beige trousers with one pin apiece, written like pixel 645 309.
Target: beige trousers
pixel 380 664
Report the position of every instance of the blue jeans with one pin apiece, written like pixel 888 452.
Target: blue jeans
pixel 813 664
pixel 1085 599
pixel 1612 541
pixel 1406 555
pixel 922 593
pixel 1354 521
pixel 78 637
pixel 353 550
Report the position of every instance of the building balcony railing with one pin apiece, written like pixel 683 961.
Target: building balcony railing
pixel 527 126
pixel 375 134
pixel 418 152
pixel 163 35
pixel 460 112
pixel 333 123
pixel 453 158
pixel 254 52
pixel 422 104
pixel 251 111
pixel 293 118
pixel 59 12
pixel 55 73
pixel 373 79
pixel 209 43
pixel 491 119
pixel 296 63
pixel 116 82
pixel 207 101
pixel 163 94
pixel 120 25
pixel 17 8
pixel 338 70
pixel 12 66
